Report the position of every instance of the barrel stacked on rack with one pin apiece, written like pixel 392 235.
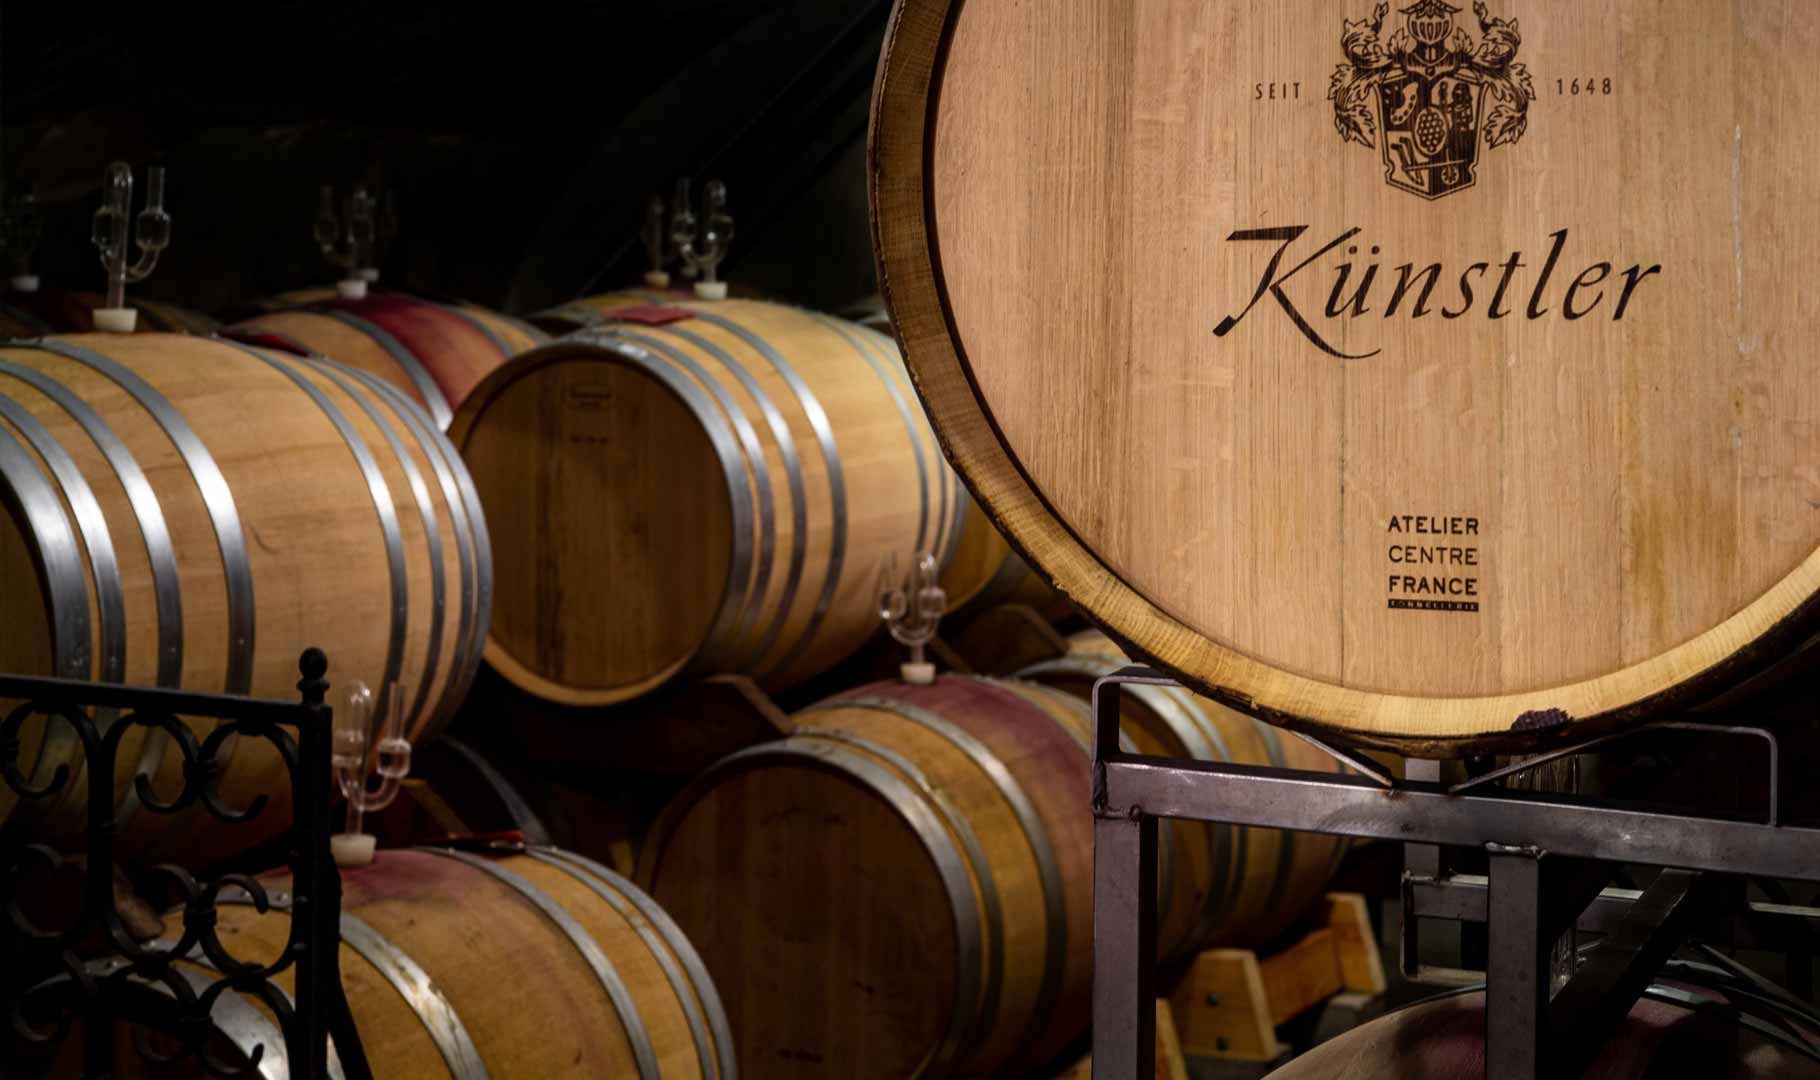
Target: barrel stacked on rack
pixel 194 512
pixel 946 929
pixel 695 489
pixel 717 486
pixel 1233 885
pixel 463 965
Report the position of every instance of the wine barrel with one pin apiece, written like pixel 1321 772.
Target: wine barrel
pixel 717 486
pixel 946 927
pixel 435 352
pixel 984 572
pixel 192 512
pixel 1674 1030
pixel 1236 885
pixel 455 964
pixel 587 312
pixel 1444 424
pixel 61 311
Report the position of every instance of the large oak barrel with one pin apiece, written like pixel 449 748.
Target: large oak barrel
pixel 435 352
pixel 1234 885
pixel 901 888
pixel 1446 412
pixel 1675 1030
pixel 714 489
pixel 536 965
pixel 61 311
pixel 192 512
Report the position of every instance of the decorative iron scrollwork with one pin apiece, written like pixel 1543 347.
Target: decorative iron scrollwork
pixel 94 970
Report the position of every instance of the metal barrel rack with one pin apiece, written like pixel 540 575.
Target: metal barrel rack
pixel 52 978
pixel 1549 860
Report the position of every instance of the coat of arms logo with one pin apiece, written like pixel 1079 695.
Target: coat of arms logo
pixel 1426 90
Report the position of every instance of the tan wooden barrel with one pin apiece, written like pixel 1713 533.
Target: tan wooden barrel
pixel 436 352
pixel 984 572
pixel 715 487
pixel 193 512
pixel 590 311
pixel 61 311
pixel 1673 1031
pixel 902 888
pixel 536 965
pixel 1451 397
pixel 1234 885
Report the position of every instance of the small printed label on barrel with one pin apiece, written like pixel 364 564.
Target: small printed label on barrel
pixel 581 402
pixel 1433 562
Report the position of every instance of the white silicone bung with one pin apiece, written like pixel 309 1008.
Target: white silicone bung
pixel 351 289
pixel 116 320
pixel 711 290
pixel 352 849
pixel 917 674
pixel 657 279
pixel 25 282
pixel 367 273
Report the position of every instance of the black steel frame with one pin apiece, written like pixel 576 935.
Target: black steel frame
pixel 1543 851
pixel 52 977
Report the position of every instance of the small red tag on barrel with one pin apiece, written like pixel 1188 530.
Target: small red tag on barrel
pixel 649 314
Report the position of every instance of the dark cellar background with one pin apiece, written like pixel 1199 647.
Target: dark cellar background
pixel 519 143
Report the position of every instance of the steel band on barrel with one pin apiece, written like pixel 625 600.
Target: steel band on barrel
pixel 726 449
pixel 432 535
pixel 991 906
pixel 413 368
pixel 916 812
pixel 753 588
pixel 433 1010
pixel 382 505
pixel 793 477
pixel 684 952
pixel 32 497
pixel 1036 834
pixel 679 984
pixel 936 545
pixel 474 556
pixel 617 993
pixel 837 487
pixel 167 592
pixel 217 497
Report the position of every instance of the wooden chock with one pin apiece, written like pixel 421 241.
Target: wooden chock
pixel 1355 944
pixel 1222 1009
pixel 1230 1002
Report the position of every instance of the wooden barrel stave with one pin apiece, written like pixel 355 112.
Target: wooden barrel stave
pixel 201 566
pixel 789 441
pixel 970 797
